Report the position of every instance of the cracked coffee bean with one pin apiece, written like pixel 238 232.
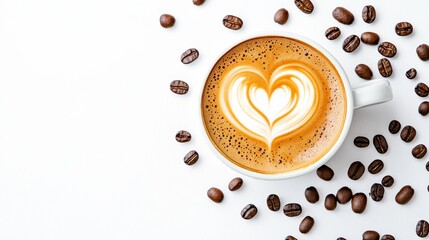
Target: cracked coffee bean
pixel 356 170
pixel 385 67
pixel 408 133
pixel 330 202
pixel 404 195
pixel 235 184
pixel 359 201
pixel 370 38
pixel 281 16
pixel 422 90
pixel 343 15
pixel 189 56
pixel 273 202
pixel 394 126
pixel 351 43
pixel 419 151
pixel 370 235
pixel 387 49
pixel 376 166
pixel 292 209
pixel 387 181
pixel 325 173
pixel 377 192
pixel 215 194
pixel 424 108
pixel 183 136
pixel 167 20
pixel 344 195
pixel 380 143
pixel 191 157
pixel 368 14
pixel 411 73
pixel 306 224
pixel 306 6
pixel 232 22
pixel 423 52
pixel 422 228
pixel 332 33
pixel 363 71
pixel 249 211
pixel 361 141
pixel 311 194
pixel 404 28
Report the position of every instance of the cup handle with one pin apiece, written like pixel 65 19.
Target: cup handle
pixel 372 92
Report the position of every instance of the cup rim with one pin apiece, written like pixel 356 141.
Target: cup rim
pixel 306 169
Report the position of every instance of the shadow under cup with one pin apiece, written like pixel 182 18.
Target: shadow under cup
pixel 275 107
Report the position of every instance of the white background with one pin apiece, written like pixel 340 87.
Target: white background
pixel 87 122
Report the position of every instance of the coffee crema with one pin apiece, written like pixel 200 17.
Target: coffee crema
pixel 273 104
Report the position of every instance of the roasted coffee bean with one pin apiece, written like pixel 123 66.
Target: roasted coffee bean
pixel 273 202
pixel 370 38
pixel 332 33
pixel 306 224
pixel 419 151
pixel 344 195
pixel 376 166
pixel 359 201
pixel 385 67
pixel 361 141
pixel 330 202
pixel 351 43
pixel 363 71
pixel 387 181
pixel 368 14
pixel 306 6
pixel 235 184
pixel 422 228
pixel 179 87
pixel 404 28
pixel 387 49
pixel 291 238
pixel 232 22
pixel 249 211
pixel 189 55
pixel 408 133
pixel 424 108
pixel 183 136
pixel 311 194
pixel 325 173
pixel 281 16
pixel 167 20
pixel 387 237
pixel 422 90
pixel 343 15
pixel 341 238
pixel 215 194
pixel 370 235
pixel 423 52
pixel 198 2
pixel 377 192
pixel 356 170
pixel 404 195
pixel 191 157
pixel 394 126
pixel 411 73
pixel 427 166
pixel 292 209
pixel 380 143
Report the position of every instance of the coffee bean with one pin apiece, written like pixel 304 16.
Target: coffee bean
pixel 411 73
pixel 281 16
pixel 341 238
pixel 232 22
pixel 189 55
pixel 376 166
pixel 424 108
pixel 394 126
pixel 387 49
pixel 361 141
pixel 423 52
pixel 351 43
pixel 343 15
pixel 377 192
pixel 291 238
pixel 167 20
pixel 359 201
pixel 368 14
pixel 179 87
pixel 370 38
pixel 235 184
pixel 370 235
pixel 183 136
pixel 404 28
pixel 385 67
pixel 306 6
pixel 380 143
pixel 332 33
pixel 330 202
pixel 422 90
pixel 198 2
pixel 408 133
pixel 344 195
pixel 356 170
pixel 363 71
pixel 422 228
pixel 249 211
pixel 404 195
pixel 325 173
pixel 292 209
pixel 215 194
pixel 311 194
pixel 387 237
pixel 419 151
pixel 387 181
pixel 427 166
pixel 306 224
pixel 273 202
pixel 191 157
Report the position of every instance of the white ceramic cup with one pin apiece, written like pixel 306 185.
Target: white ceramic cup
pixel 369 93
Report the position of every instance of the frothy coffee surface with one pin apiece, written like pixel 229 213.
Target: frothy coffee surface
pixel 273 104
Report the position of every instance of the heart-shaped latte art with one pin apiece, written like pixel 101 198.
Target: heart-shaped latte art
pixel 267 108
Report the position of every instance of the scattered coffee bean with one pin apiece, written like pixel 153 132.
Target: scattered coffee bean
pixel 387 49
pixel 361 141
pixel 215 194
pixel 363 71
pixel 330 202
pixel 306 224
pixel 273 202
pixel 306 6
pixel 408 133
pixel 411 73
pixel 370 235
pixel 235 184
pixel 376 166
pixel 341 238
pixel 191 157
pixel 249 211
pixel 332 33
pixel 311 194
pixel 380 143
pixel 422 228
pixel 427 166
pixel 387 181
pixel 232 22
pixel 359 201
pixel 419 151
pixel 370 38
pixel 183 136
pixel 404 28
pixel 356 170
pixel 422 90
pixel 189 55
pixel 368 14
pixel 167 20
pixel 351 43
pixel 385 67
pixel 344 195
pixel 387 237
pixel 424 108
pixel 377 192
pixel 179 87
pixel 343 15
pixel 404 195
pixel 423 52
pixel 292 209
pixel 325 173
pixel 198 2
pixel 281 16
pixel 394 126
pixel 291 238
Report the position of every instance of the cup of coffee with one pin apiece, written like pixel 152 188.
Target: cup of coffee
pixel 279 106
